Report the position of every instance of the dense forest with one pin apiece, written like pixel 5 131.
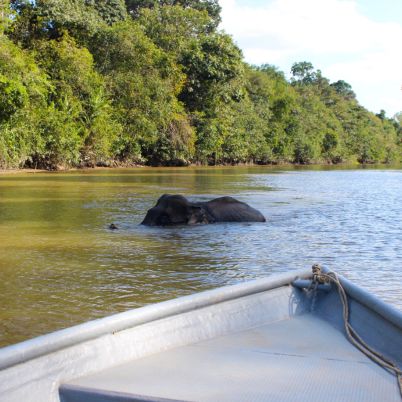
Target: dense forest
pixel 114 82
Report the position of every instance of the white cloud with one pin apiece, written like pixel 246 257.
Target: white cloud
pixel 332 34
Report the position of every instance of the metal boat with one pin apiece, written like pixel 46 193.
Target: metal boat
pixel 296 336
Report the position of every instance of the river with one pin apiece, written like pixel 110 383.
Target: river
pixel 60 264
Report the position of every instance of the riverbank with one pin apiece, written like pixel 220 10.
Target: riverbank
pixel 17 171
pixel 348 164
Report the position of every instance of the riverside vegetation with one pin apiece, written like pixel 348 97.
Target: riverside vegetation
pixel 112 82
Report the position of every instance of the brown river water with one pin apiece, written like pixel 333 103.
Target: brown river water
pixel 60 265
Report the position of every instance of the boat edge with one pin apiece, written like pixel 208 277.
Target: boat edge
pixel 52 342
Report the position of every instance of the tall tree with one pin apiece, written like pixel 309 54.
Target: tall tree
pixel 303 72
pixel 344 89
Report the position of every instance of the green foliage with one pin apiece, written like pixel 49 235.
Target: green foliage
pixel 344 89
pixel 276 103
pixel 13 96
pixel 143 83
pixel 5 15
pixel 82 84
pixel 212 7
pixel 211 61
pixel 110 11
pixel 303 72
pixel 78 103
pixel 175 29
pixel 49 19
pixel 23 91
pixel 213 71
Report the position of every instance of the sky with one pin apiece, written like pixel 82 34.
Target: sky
pixel 358 41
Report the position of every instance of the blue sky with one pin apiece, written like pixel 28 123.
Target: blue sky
pixel 359 41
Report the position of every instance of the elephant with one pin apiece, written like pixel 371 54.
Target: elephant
pixel 177 210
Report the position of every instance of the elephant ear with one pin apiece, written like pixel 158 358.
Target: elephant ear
pixel 196 215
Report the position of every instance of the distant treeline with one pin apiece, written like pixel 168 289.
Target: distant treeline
pixel 113 82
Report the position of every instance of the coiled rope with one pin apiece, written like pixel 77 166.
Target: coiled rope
pixel 354 338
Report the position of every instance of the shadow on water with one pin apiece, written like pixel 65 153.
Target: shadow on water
pixel 61 265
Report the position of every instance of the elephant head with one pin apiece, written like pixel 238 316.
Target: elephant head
pixel 176 210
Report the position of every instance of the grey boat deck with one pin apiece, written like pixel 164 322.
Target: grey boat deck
pixel 296 359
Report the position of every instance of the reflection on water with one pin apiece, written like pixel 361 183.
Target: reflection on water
pixel 60 265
